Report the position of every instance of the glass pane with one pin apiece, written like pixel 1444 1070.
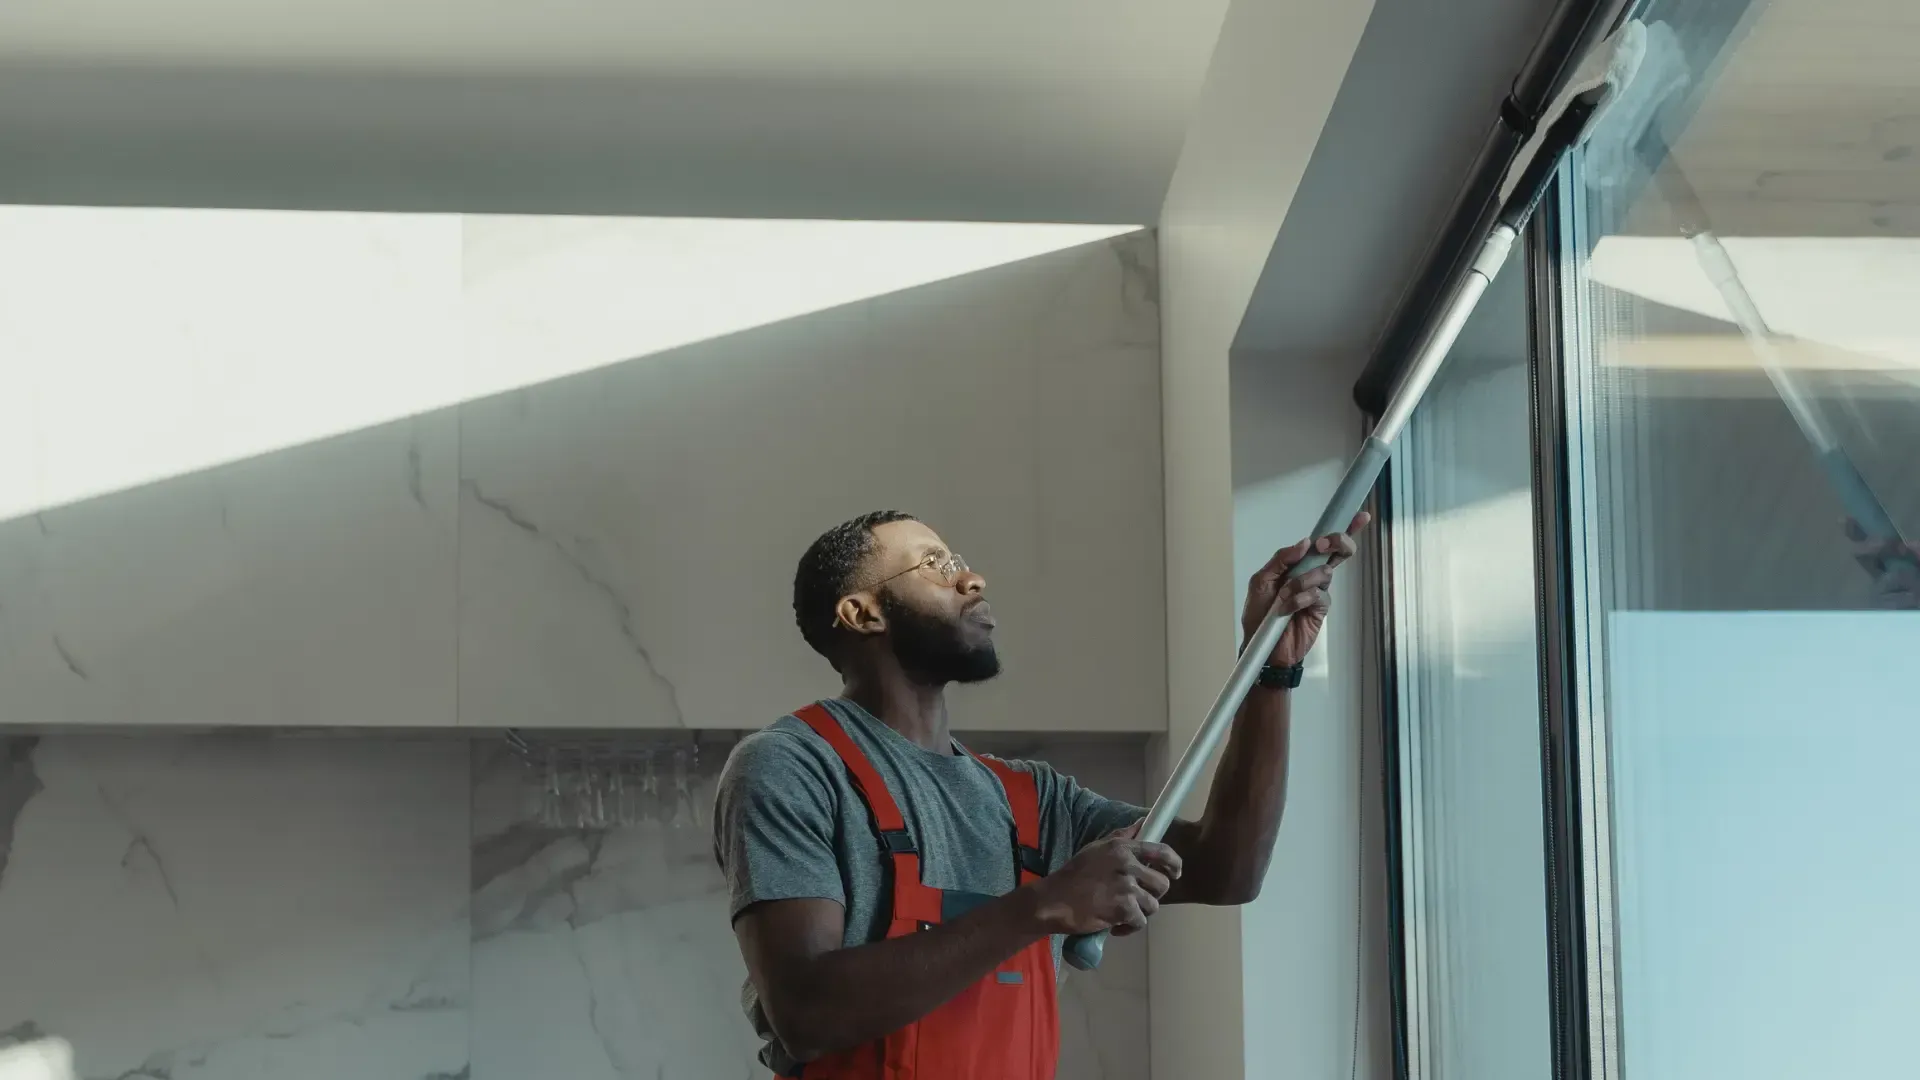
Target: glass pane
pixel 1469 723
pixel 1744 379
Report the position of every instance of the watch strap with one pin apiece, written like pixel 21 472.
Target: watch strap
pixel 1276 677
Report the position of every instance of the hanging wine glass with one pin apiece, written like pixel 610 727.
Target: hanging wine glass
pixel 650 789
pixel 682 791
pixel 601 774
pixel 693 786
pixel 621 796
pixel 582 792
pixel 552 798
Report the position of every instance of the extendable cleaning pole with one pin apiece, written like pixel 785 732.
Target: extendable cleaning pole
pixel 1565 124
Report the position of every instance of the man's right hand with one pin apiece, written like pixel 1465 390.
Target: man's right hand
pixel 1114 883
pixel 822 997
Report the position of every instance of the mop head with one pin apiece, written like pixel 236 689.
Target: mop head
pixel 1607 73
pixel 1619 152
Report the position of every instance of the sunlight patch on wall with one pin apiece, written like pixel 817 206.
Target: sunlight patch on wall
pixel 141 344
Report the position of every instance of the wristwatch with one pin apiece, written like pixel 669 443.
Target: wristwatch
pixel 1275 677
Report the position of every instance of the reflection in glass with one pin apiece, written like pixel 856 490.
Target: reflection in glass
pixel 1469 712
pixel 1743 372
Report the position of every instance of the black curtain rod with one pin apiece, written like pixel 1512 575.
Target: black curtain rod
pixel 1574 27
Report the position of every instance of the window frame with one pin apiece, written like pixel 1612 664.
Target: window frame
pixel 1577 890
pixel 1578 885
pixel 1569 467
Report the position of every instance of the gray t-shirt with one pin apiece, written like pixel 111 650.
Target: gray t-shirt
pixel 789 824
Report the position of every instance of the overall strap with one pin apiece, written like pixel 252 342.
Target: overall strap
pixel 1023 795
pixel 913 903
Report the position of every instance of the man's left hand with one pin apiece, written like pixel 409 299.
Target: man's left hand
pixel 1304 597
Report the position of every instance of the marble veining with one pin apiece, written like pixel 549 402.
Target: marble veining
pixel 416 475
pixel 628 533
pixel 296 588
pixel 616 547
pixel 574 555
pixel 66 657
pixel 243 906
pixel 18 785
pixel 237 907
pixel 600 952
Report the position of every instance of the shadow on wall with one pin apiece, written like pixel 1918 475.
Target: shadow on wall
pixel 615 547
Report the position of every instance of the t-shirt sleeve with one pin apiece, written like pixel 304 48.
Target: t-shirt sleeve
pixel 773 824
pixel 1088 814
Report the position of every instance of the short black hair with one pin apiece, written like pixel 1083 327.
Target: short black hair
pixel 826 574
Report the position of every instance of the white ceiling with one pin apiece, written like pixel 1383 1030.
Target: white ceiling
pixel 1042 110
pixel 1419 99
pixel 996 39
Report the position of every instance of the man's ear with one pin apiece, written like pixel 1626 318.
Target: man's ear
pixel 860 613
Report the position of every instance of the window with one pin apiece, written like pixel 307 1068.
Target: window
pixel 1741 350
pixel 1653 691
pixel 1474 938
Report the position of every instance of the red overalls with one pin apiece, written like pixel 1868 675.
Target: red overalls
pixel 1004 1027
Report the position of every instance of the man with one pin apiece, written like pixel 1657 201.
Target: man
pixel 900 903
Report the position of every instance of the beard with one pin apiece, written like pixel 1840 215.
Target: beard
pixel 934 652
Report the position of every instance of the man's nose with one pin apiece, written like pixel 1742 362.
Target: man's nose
pixel 971 584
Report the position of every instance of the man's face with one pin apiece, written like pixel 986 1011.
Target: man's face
pixel 935 614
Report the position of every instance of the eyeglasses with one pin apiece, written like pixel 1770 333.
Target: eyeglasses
pixel 947 567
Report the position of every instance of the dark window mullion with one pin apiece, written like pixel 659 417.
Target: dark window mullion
pixel 1554 554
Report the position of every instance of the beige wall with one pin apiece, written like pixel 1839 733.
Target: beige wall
pixel 1254 992
pixel 616 547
